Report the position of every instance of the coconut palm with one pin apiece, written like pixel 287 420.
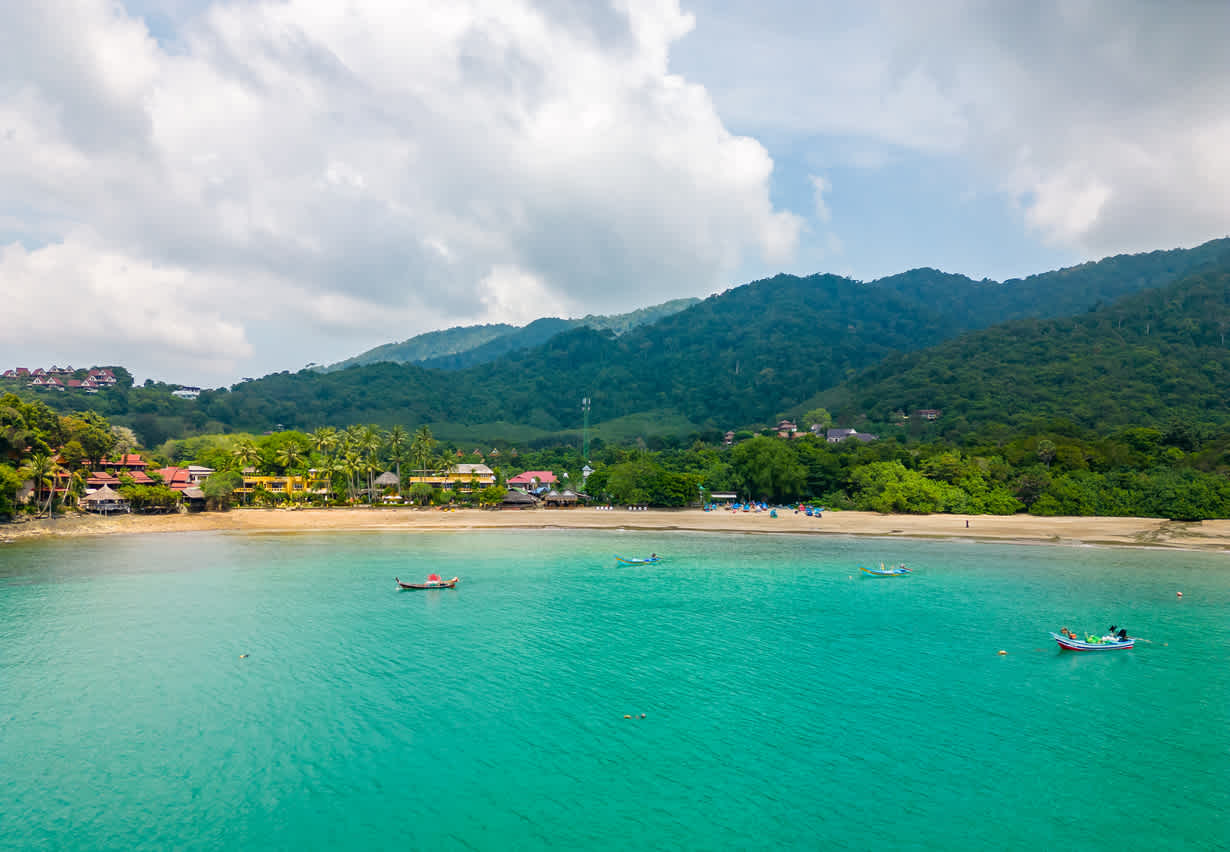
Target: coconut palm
pixel 397 448
pixel 246 453
pixel 40 469
pixel 422 448
pixel 290 455
pixel 325 439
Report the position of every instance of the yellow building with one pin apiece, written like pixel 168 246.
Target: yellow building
pixel 463 478
pixel 289 485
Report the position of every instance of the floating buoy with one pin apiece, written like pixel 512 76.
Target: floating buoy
pixel 1003 653
pixel 627 716
pixel 1178 594
pixel 243 656
pixel 642 715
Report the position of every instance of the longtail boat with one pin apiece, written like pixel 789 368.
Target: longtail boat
pixel 886 572
pixel 1108 643
pixel 432 582
pixel 648 560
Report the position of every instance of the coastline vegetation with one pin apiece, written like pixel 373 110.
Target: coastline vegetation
pixel 1053 467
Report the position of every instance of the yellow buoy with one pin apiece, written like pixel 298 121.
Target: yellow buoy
pixel 1003 653
pixel 627 716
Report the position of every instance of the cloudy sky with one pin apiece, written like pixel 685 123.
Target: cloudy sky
pixel 206 190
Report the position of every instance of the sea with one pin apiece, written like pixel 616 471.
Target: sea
pixel 222 691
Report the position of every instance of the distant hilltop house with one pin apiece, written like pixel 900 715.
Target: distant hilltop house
pixel 787 429
pixel 186 392
pixel 61 378
pixel 927 414
pixel 836 436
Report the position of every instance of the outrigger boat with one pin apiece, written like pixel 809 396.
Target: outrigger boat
pixel 899 571
pixel 648 560
pixel 433 582
pixel 1070 642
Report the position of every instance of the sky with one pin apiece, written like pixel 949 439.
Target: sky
pixel 201 191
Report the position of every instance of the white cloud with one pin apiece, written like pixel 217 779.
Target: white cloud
pixel 1105 119
pixel 362 171
pixel 77 301
pixel 820 185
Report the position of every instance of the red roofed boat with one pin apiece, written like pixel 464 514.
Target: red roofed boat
pixel 432 582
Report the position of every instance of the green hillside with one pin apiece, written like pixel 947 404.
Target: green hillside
pixel 468 346
pixel 1149 359
pixel 433 344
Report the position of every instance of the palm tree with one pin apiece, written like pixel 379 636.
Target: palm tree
pixel 325 439
pixel 290 455
pixel 370 443
pixel 397 446
pixel 40 469
pixel 422 447
pixel 246 453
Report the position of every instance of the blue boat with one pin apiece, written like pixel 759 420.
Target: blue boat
pixel 650 560
pixel 886 572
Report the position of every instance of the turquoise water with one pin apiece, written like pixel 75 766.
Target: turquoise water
pixel 789 702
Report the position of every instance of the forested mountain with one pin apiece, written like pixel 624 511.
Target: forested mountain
pixel 1151 358
pixel 742 357
pixel 776 347
pixel 433 344
pixel 467 346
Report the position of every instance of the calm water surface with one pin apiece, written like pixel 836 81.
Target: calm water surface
pixel 789 702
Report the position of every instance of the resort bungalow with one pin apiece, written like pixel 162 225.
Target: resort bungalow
pixel 561 499
pixel 532 480
pixel 463 478
pixel 519 500
pixel 105 501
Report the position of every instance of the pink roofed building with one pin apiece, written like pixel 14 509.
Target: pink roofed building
pixel 532 479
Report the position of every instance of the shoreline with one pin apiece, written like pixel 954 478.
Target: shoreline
pixel 1209 536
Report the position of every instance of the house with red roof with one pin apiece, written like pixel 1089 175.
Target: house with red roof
pixel 532 479
pixel 129 462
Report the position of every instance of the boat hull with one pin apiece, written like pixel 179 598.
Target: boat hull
pixel 442 584
pixel 1070 644
pixel 895 572
pixel 622 560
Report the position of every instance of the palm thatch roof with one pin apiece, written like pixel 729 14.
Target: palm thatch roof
pixel 387 478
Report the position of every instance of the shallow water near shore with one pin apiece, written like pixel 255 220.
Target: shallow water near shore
pixel 788 701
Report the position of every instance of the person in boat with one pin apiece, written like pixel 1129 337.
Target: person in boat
pixel 653 556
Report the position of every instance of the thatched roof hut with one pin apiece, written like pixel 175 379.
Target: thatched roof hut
pixel 518 500
pixel 105 500
pixel 387 479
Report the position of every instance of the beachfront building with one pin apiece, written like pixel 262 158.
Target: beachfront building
pixel 105 501
pixel 286 485
pixel 533 480
pixel 463 478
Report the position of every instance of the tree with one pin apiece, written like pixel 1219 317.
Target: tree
pixel 246 453
pixel 290 456
pixel 397 448
pixel 40 469
pixel 422 448
pixel 817 417
pixel 220 487
pixel 769 470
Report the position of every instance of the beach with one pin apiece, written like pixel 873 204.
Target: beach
pixel 1213 535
